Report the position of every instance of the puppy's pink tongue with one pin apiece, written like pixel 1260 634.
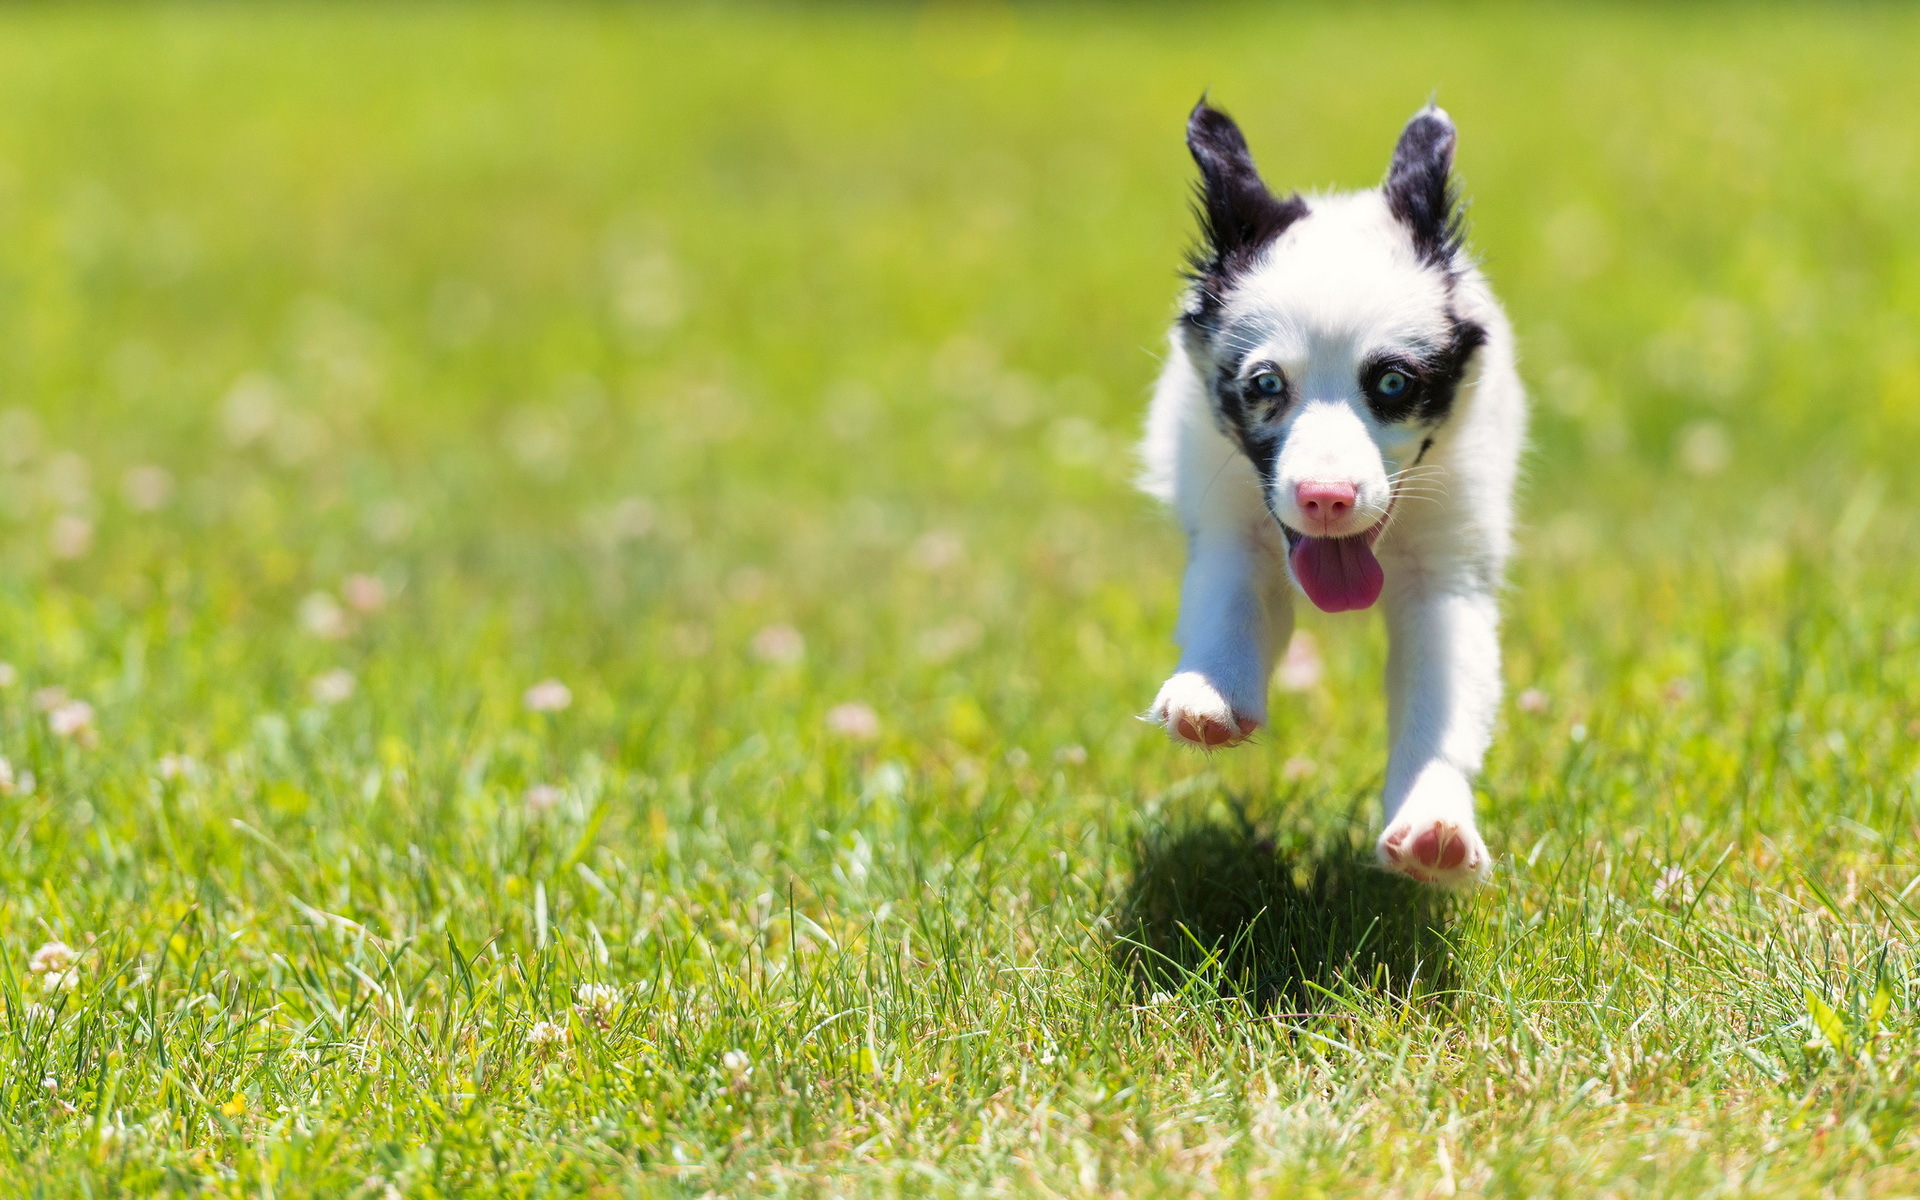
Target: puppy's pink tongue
pixel 1338 574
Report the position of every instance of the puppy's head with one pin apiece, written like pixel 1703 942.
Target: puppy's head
pixel 1326 331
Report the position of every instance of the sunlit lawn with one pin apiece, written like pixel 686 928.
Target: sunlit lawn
pixel 575 610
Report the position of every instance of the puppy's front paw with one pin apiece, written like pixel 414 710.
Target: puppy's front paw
pixel 1432 837
pixel 1194 711
pixel 1437 851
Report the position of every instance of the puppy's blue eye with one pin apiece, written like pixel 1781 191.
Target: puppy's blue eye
pixel 1393 383
pixel 1268 383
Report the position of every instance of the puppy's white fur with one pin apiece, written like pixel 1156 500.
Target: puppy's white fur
pixel 1340 286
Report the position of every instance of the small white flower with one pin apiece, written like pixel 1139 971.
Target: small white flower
pixel 1533 700
pixel 9 675
pixel 6 778
pixel 1298 767
pixel 888 779
pixel 549 695
pixel 364 593
pixel 854 720
pixel 737 1062
pixel 73 719
pixel 631 517
pixel 58 966
pixel 147 488
pixel 779 644
pixel 332 687
pixel 1672 888
pixel 322 616
pixel 541 798
pixel 39 1014
pixel 1301 669
pixel 1075 754
pixel 50 1083
pixel 70 536
pixel 596 1002
pixel 381 1187
pixel 545 1035
pixel 47 699
pixel 52 956
pixel 173 766
pixel 1704 447
pixel 250 408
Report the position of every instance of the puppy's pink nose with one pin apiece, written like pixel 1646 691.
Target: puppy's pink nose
pixel 1325 503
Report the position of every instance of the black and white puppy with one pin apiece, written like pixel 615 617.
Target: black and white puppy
pixel 1340 406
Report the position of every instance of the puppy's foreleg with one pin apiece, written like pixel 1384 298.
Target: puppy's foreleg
pixel 1443 692
pixel 1234 616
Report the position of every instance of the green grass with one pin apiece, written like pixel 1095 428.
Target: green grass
pixel 608 340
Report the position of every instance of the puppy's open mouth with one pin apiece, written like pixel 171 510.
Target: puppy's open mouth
pixel 1339 574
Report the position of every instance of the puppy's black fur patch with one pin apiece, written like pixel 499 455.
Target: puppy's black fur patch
pixel 1448 368
pixel 1250 419
pixel 1435 377
pixel 1239 216
pixel 1420 190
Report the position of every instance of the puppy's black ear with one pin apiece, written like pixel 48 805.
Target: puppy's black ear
pixel 1238 215
pixel 1419 187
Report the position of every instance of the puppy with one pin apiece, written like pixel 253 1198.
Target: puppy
pixel 1340 414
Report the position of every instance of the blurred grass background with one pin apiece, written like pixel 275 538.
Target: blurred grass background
pixel 362 367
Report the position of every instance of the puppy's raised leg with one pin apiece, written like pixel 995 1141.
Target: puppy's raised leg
pixel 1443 691
pixel 1235 614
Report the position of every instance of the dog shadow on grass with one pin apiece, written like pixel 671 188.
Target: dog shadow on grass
pixel 1288 925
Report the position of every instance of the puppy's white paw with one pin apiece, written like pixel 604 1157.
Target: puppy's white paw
pixel 1432 837
pixel 1436 851
pixel 1194 711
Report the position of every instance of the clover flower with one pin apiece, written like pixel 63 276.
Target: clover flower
pixel 779 644
pixel 332 687
pixel 364 593
pixel 57 965
pixel 70 536
pixel 322 616
pixel 147 488
pixel 72 719
pixel 1672 888
pixel 854 720
pixel 1301 669
pixel 174 766
pixel 549 695
pixel 596 1002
